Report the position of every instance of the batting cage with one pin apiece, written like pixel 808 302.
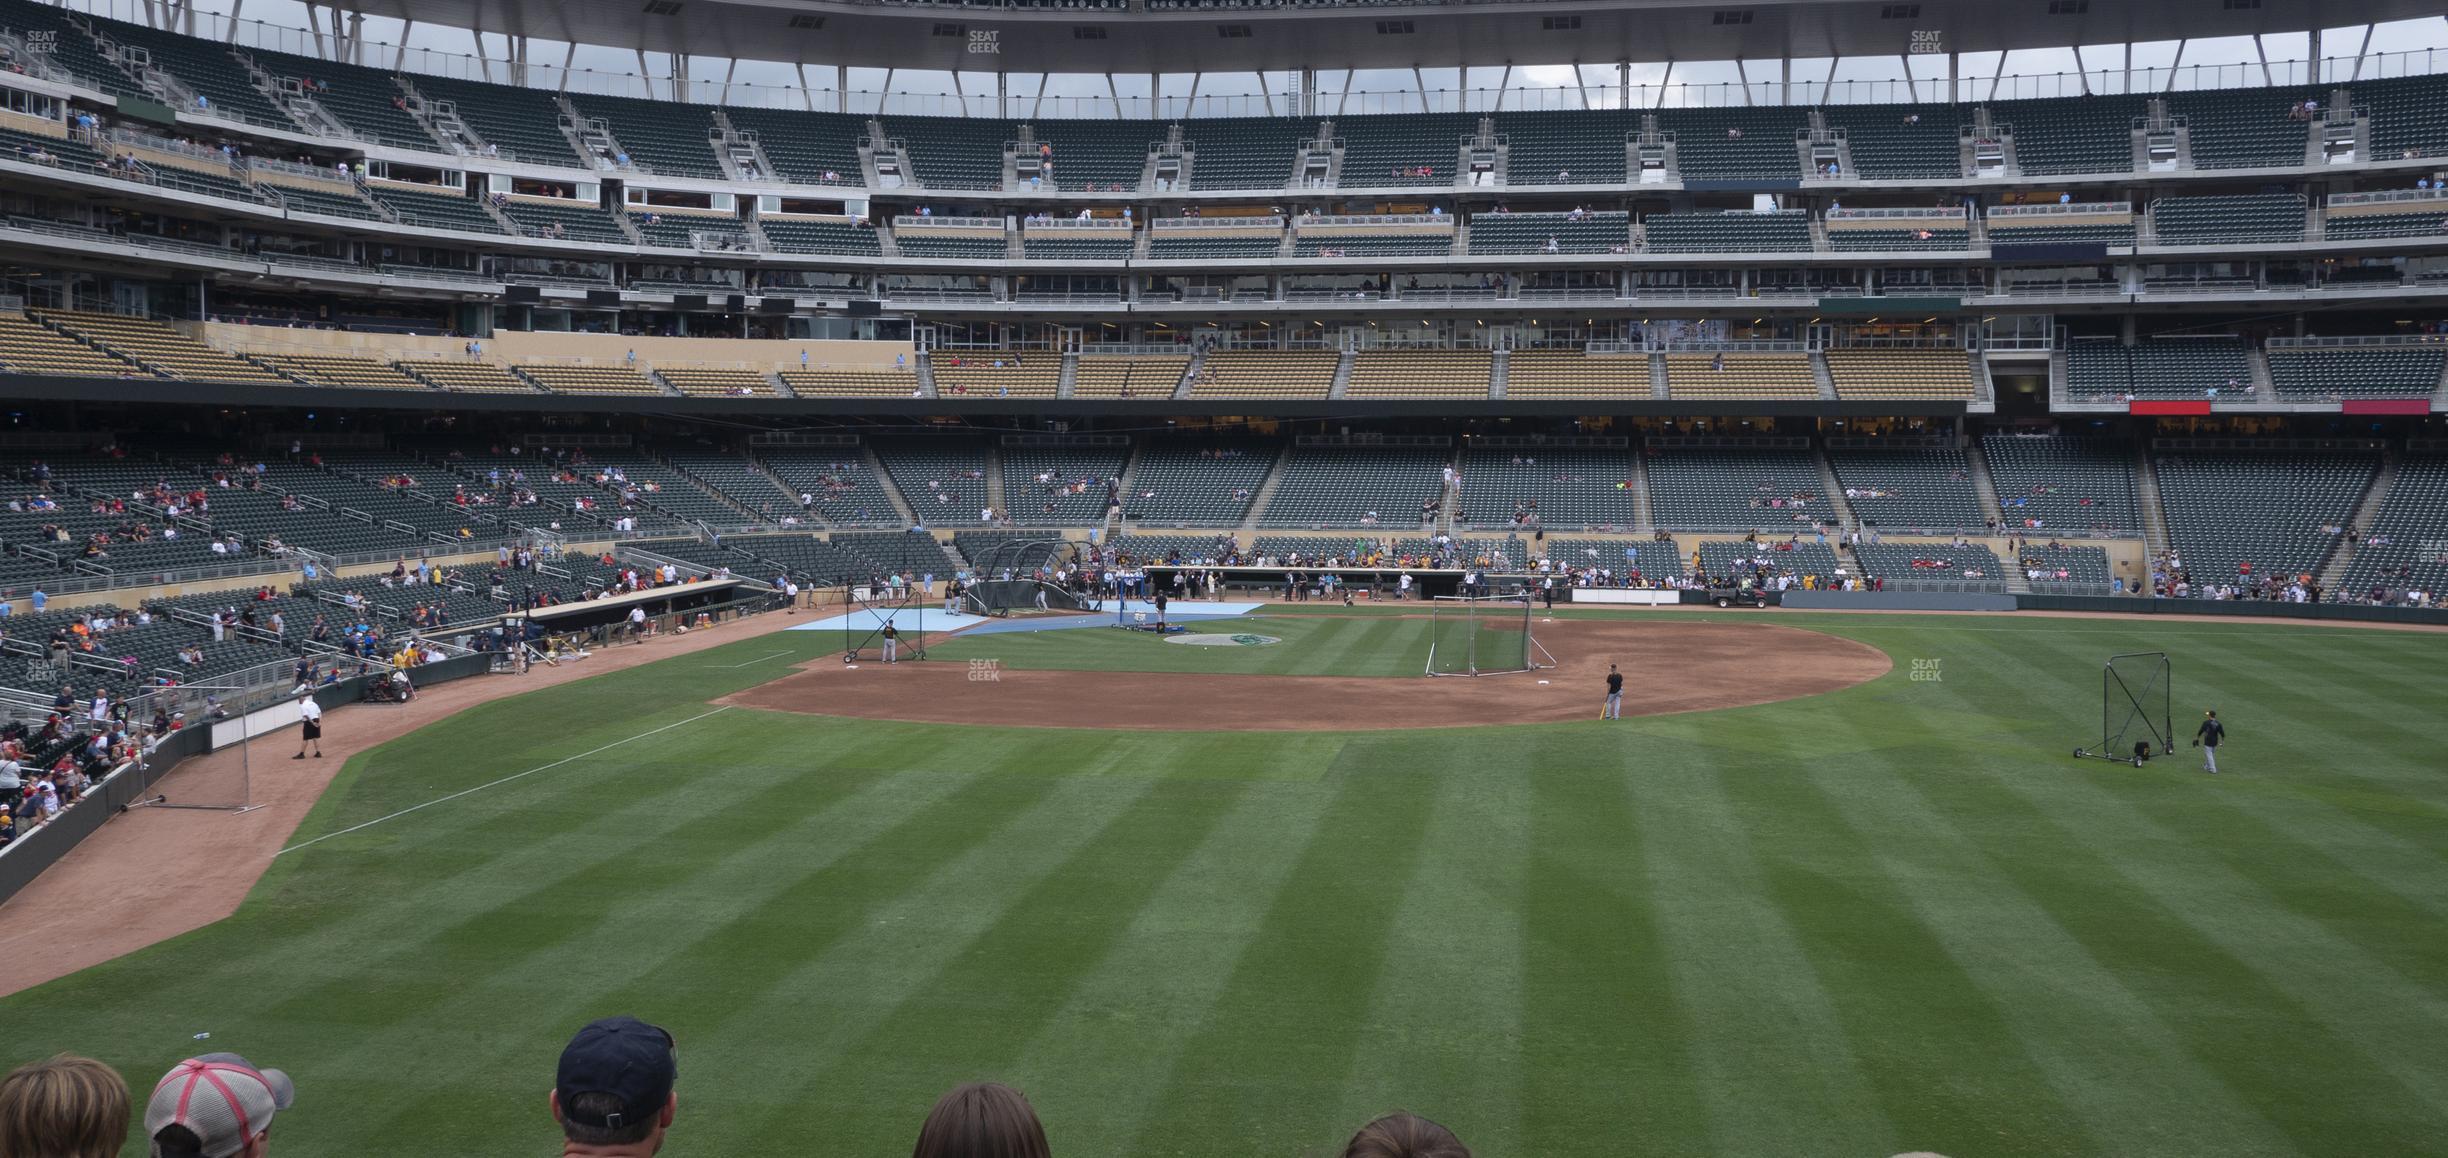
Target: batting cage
pixel 871 612
pixel 1482 635
pixel 2135 722
pixel 1026 575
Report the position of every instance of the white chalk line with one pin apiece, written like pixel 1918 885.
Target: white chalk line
pixel 500 782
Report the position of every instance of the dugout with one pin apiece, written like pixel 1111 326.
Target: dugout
pixel 598 616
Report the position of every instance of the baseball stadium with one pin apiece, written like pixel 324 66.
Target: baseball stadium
pixel 1221 578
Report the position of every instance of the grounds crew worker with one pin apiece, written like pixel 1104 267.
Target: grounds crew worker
pixel 2208 738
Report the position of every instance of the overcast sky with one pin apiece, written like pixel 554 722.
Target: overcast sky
pixel 763 82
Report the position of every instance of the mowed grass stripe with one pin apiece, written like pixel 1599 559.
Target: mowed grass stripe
pixel 1775 1067
pixel 1106 1057
pixel 1604 1036
pixel 1458 930
pixel 1271 1058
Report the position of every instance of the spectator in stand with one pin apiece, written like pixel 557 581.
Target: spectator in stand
pixel 217 1105
pixel 1400 1135
pixel 67 1107
pixel 612 1092
pixel 982 1120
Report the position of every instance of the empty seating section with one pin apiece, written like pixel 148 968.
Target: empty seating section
pixel 2229 508
pixel 1244 152
pixel 561 378
pixel 1196 485
pixel 1536 374
pixel 1566 148
pixel 1344 486
pixel 793 235
pixel 942 480
pixel 363 98
pixel 717 381
pixel 2429 220
pixel 1928 563
pixel 666 137
pixel 1910 489
pixel 345 372
pixel 1708 147
pixel 1094 154
pixel 1037 374
pixel 473 376
pixel 1740 376
pixel 568 221
pixel 523 123
pixel 956 152
pixel 2239 217
pixel 1171 548
pixel 1418 374
pixel 1265 374
pixel 206 69
pixel 1902 142
pixel 2052 228
pixel 2097 371
pixel 1561 489
pixel 2190 367
pixel 966 247
pixel 2250 128
pixel 190 174
pixel 1531 233
pixel 1720 559
pixel 1079 245
pixel 1248 243
pixel 737 479
pixel 328 200
pixel 2409 115
pixel 163 349
pixel 2356 372
pixel 2093 135
pixel 1390 150
pixel 669 490
pixel 802 146
pixel 1059 487
pixel 917 556
pixel 681 230
pixel 1152 376
pixel 2054 483
pixel 2412 521
pixel 1779 232
pixel 20 146
pixel 27 347
pixel 1372 245
pixel 1871 373
pixel 838 482
pixel 1775 490
pixel 852 381
pixel 2063 569
pixel 1926 235
pixel 435 210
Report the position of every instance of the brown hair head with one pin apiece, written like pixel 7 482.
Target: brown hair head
pixel 67 1107
pixel 1401 1135
pixel 982 1120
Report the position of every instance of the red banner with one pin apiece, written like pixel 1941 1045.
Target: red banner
pixel 2386 406
pixel 2169 407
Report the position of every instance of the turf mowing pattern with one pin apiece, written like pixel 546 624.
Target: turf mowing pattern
pixel 1895 917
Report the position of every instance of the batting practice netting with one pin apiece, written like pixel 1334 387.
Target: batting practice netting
pixel 2135 722
pixel 1482 635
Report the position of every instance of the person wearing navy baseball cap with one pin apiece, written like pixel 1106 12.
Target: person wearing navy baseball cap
pixel 613 1091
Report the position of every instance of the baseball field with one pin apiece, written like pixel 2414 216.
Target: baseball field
pixel 1891 916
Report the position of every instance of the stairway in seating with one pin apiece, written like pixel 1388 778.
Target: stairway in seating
pixel 1984 486
pixel 1658 386
pixel 806 514
pixel 1190 372
pixel 2265 388
pixel 2333 571
pixel 1820 374
pixel 1833 489
pixel 884 479
pixel 1644 517
pixel 1266 489
pixel 926 373
pixel 2146 496
pixel 1122 486
pixel 1068 379
pixel 994 479
pixel 1342 375
pixel 1500 371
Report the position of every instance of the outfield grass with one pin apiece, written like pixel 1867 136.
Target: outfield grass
pixel 1895 917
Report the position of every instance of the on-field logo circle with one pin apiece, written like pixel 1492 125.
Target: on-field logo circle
pixel 1237 639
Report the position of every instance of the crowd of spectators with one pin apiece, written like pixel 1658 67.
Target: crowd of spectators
pixel 614 1095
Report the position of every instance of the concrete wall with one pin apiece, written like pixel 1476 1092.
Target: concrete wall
pixel 525 346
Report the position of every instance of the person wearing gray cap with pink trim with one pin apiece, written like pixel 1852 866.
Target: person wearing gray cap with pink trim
pixel 217 1105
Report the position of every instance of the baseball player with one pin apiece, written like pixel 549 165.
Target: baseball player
pixel 2208 737
pixel 1614 700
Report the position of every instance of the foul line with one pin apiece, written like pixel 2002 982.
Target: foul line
pixel 498 783
pixel 759 659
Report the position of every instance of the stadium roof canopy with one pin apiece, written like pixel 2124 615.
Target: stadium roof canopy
pixel 1241 36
